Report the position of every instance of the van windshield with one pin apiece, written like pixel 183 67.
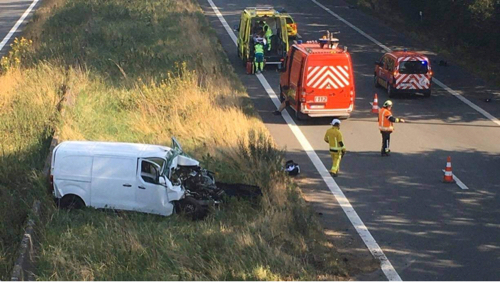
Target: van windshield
pixel 413 67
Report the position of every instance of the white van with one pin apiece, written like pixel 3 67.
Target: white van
pixel 124 176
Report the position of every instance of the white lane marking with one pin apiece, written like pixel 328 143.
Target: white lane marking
pixel 459 183
pixel 439 83
pixel 356 221
pixel 18 23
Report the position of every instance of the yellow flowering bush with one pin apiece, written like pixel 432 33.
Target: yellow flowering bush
pixel 20 50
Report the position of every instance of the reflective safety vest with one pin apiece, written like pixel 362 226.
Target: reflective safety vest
pixel 334 137
pixel 259 49
pixel 269 33
pixel 384 124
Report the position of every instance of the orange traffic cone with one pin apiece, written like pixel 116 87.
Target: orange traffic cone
pixel 375 105
pixel 448 175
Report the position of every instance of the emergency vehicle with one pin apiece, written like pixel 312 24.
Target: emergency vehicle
pixel 250 25
pixel 317 79
pixel 291 26
pixel 403 72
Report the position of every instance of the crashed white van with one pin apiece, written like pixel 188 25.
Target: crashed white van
pixel 127 176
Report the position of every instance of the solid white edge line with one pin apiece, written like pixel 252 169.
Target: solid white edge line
pixel 356 221
pixel 18 23
pixel 439 83
pixel 459 182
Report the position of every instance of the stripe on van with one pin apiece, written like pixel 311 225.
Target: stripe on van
pixel 326 77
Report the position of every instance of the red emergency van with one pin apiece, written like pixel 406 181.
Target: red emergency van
pixel 403 72
pixel 318 80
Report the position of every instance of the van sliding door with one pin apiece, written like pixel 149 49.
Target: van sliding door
pixel 113 180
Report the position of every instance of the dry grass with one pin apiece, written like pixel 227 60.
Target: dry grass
pixel 172 84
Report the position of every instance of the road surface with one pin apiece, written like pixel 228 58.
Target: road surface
pixel 428 230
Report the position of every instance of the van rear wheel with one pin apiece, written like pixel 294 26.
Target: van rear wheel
pixel 427 93
pixel 71 202
pixel 391 92
pixel 299 115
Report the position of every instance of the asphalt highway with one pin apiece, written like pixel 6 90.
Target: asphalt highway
pixel 10 13
pixel 428 230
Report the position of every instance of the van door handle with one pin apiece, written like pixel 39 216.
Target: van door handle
pixel 127 185
pixel 142 187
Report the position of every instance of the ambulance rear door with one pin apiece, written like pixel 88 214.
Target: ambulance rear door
pixel 329 81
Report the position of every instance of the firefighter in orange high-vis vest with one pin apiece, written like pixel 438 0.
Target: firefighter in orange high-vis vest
pixel 385 124
pixel 333 137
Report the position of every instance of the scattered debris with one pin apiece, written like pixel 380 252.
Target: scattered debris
pixel 292 168
pixel 443 63
pixel 241 191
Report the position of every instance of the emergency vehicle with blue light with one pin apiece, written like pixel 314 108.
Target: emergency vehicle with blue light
pixel 403 72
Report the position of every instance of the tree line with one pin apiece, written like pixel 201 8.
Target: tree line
pixel 466 24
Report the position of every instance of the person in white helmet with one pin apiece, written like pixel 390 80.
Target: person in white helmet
pixel 333 137
pixel 386 125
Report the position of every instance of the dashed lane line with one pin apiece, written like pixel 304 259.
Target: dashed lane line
pixel 439 83
pixel 356 221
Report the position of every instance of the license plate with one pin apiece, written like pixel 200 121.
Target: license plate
pixel 320 99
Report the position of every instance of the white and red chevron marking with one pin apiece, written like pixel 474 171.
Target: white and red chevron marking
pixel 326 77
pixel 412 81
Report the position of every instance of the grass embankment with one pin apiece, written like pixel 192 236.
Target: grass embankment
pixel 143 71
pixel 28 112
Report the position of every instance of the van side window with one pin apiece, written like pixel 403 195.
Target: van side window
pixel 148 172
pixel 386 63
pixel 390 64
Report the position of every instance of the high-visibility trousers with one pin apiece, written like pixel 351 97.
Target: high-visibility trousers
pixel 336 158
pixel 259 61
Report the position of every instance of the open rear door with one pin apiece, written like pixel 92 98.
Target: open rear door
pixel 283 37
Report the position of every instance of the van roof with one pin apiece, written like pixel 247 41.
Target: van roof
pixel 405 54
pixel 314 48
pixel 264 11
pixel 92 148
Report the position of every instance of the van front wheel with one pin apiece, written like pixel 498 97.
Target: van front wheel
pixel 375 81
pixel 191 208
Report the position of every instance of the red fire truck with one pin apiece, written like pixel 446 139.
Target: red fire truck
pixel 317 79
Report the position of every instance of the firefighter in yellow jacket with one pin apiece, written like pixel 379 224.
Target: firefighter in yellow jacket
pixel 333 137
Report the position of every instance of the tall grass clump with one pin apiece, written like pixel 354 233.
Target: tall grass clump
pixel 144 71
pixel 28 111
